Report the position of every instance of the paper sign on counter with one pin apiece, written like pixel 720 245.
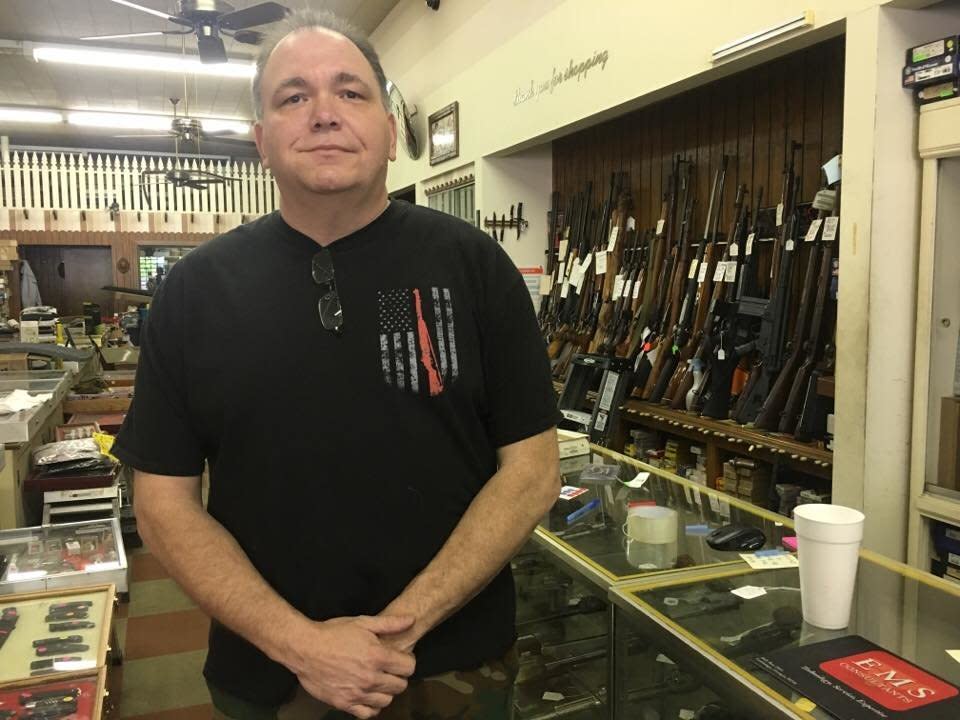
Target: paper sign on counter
pixel 765 562
pixel 749 592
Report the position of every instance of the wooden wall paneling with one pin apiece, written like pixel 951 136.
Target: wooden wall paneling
pixel 778 130
pixel 703 177
pixel 745 129
pixel 813 123
pixel 731 134
pixel 795 107
pixel 833 101
pixel 647 196
pixel 761 135
pixel 656 160
pixel 716 145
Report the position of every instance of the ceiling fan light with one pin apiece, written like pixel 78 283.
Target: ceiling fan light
pixel 155 62
pixel 20 115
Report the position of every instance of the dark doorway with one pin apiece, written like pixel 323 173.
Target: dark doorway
pixel 408 193
pixel 70 275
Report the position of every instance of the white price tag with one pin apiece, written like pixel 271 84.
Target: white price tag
pixel 779 214
pixel 631 223
pixel 714 503
pixel 830 227
pixel 618 286
pixel 660 223
pixel 749 592
pixel 697 499
pixel 703 273
pixel 562 273
pixel 749 250
pixel 720 272
pixel 563 248
pixel 566 233
pixel 627 289
pixel 790 245
pixel 546 284
pixel 731 272
pixel 693 269
pixel 580 280
pixel 813 230
pixel 601 263
pixel 586 264
pixel 564 290
pixel 575 275
pixel 645 334
pixel 636 289
pixel 734 250
pixel 686 492
pixel 725 508
pixel 612 242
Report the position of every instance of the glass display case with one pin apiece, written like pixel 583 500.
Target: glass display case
pixel 563 640
pixel 62 556
pixel 685 647
pixel 79 696
pixel 19 427
pixel 54 632
pixel 619 520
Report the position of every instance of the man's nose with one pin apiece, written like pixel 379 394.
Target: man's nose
pixel 324 116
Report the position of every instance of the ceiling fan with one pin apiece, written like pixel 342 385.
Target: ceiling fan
pixel 191 130
pixel 183 129
pixel 209 20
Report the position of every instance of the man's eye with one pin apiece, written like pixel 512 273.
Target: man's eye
pixel 293 99
pixel 352 95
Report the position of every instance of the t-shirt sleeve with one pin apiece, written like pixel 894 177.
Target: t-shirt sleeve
pixel 520 397
pixel 157 436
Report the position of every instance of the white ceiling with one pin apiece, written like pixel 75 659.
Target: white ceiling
pixel 26 83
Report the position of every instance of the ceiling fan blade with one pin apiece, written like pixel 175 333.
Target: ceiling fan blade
pixel 211 50
pixel 232 141
pixel 261 14
pixel 151 11
pixel 124 35
pixel 155 135
pixel 250 37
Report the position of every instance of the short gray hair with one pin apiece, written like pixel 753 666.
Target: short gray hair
pixel 314 20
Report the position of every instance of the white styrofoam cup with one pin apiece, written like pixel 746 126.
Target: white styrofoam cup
pixel 828 546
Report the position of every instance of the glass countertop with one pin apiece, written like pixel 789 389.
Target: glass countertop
pixel 589 523
pixel 906 612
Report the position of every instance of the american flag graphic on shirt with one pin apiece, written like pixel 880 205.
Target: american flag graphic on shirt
pixel 418 340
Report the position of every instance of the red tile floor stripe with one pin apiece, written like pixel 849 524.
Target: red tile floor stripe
pixel 166 634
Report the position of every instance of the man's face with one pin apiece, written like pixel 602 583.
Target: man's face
pixel 324 128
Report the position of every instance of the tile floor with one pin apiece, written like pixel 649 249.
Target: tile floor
pixel 164 638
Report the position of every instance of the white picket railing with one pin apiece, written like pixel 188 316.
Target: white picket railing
pixel 91 182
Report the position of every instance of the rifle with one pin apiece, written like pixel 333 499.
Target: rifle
pixel 609 249
pixel 622 290
pixel 716 400
pixel 772 312
pixel 696 374
pixel 770 412
pixel 682 329
pixel 667 309
pixel 552 260
pixel 801 383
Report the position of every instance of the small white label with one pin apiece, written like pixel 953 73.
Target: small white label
pixel 779 214
pixel 562 252
pixel 601 263
pixel 721 354
pixel 661 658
pixel 725 508
pixel 564 290
pixel 601 423
pixel 586 264
pixel 734 250
pixel 639 480
pixel 731 272
pixel 714 503
pixel 703 273
pixel 934 73
pixel 627 289
pixel 697 499
pixel 749 250
pixel 552 696
pixel 636 290
pixel 686 492
pixel 580 280
pixel 749 592
pixel 612 242
pixel 660 223
pixel 813 230
pixel 562 273
pixel 720 272
pixel 645 334
pixel 790 245
pixel 618 283
pixel 631 223
pixel 831 169
pixel 546 284
pixel 686 714
pixel 830 226
pixel 693 269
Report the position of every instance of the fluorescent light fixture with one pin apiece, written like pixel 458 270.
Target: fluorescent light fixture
pixel 803 20
pixel 120 121
pixel 20 115
pixel 213 125
pixel 148 62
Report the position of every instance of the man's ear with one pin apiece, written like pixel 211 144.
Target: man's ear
pixel 258 139
pixel 392 122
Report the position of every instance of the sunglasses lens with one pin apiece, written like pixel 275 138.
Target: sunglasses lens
pixel 331 314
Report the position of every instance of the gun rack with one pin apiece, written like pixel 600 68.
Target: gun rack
pixel 503 222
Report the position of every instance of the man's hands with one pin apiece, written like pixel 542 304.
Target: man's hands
pixel 351 664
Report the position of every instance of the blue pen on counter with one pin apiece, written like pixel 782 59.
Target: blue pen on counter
pixel 585 510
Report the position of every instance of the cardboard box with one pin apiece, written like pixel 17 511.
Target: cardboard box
pixel 16 362
pixel 948 473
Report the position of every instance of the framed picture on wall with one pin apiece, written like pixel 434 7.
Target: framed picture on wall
pixel 444 130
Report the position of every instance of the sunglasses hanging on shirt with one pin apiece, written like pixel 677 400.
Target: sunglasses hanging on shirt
pixel 331 314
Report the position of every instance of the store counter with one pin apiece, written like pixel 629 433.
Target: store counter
pixel 590 529
pixel 686 647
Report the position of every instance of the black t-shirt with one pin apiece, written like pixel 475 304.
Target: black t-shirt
pixel 342 463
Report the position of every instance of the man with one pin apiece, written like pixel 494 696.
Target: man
pixel 367 383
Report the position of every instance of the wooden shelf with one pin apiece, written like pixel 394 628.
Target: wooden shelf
pixel 728 435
